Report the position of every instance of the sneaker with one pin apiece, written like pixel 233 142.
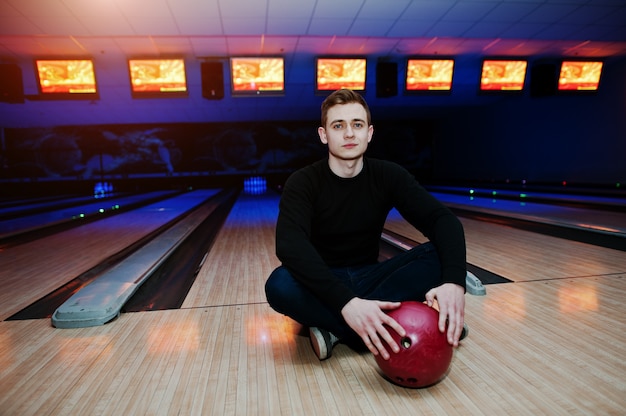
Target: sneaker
pixel 464 332
pixel 322 342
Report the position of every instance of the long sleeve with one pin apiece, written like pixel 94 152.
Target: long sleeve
pixel 439 225
pixel 428 215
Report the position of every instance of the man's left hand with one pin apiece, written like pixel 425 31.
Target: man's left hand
pixel 451 300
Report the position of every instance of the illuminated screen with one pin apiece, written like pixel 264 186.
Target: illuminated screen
pixel 501 75
pixel 65 77
pixel 580 76
pixel 155 77
pixel 337 73
pixel 429 74
pixel 252 76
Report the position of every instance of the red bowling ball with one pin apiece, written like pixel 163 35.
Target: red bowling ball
pixel 424 356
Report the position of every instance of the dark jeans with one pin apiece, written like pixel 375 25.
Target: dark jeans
pixel 407 276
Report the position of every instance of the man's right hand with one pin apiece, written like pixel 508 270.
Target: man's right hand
pixel 368 319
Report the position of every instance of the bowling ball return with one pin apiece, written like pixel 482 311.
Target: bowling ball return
pixel 424 356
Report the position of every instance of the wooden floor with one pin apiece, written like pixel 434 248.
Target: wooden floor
pixel 553 342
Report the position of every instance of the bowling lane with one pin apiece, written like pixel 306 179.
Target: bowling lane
pixel 511 235
pixel 602 198
pixel 82 210
pixel 242 256
pixel 589 219
pixel 572 217
pixel 521 255
pixel 31 270
pixel 20 207
pixel 519 351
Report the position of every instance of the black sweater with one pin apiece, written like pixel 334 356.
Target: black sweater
pixel 326 221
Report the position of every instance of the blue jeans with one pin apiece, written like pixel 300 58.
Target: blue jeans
pixel 407 276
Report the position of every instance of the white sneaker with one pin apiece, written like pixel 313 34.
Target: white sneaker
pixel 322 342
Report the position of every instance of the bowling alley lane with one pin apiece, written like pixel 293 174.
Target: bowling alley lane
pixel 225 351
pixel 32 270
pixel 533 349
pixel 69 212
pixel 601 214
pixel 521 256
pixel 242 256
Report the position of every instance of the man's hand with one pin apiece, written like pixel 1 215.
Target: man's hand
pixel 367 318
pixel 451 300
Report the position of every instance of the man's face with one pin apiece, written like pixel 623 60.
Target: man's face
pixel 347 133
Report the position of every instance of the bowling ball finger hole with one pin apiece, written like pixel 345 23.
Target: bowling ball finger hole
pixel 405 342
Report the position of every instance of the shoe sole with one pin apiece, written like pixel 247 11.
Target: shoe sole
pixel 320 348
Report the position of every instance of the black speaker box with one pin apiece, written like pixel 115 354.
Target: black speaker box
pixel 386 79
pixel 543 79
pixel 11 87
pixel 212 80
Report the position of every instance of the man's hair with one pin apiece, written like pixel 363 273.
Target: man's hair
pixel 343 96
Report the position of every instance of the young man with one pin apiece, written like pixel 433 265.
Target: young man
pixel 328 231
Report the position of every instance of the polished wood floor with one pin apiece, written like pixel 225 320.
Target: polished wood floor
pixel 553 342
